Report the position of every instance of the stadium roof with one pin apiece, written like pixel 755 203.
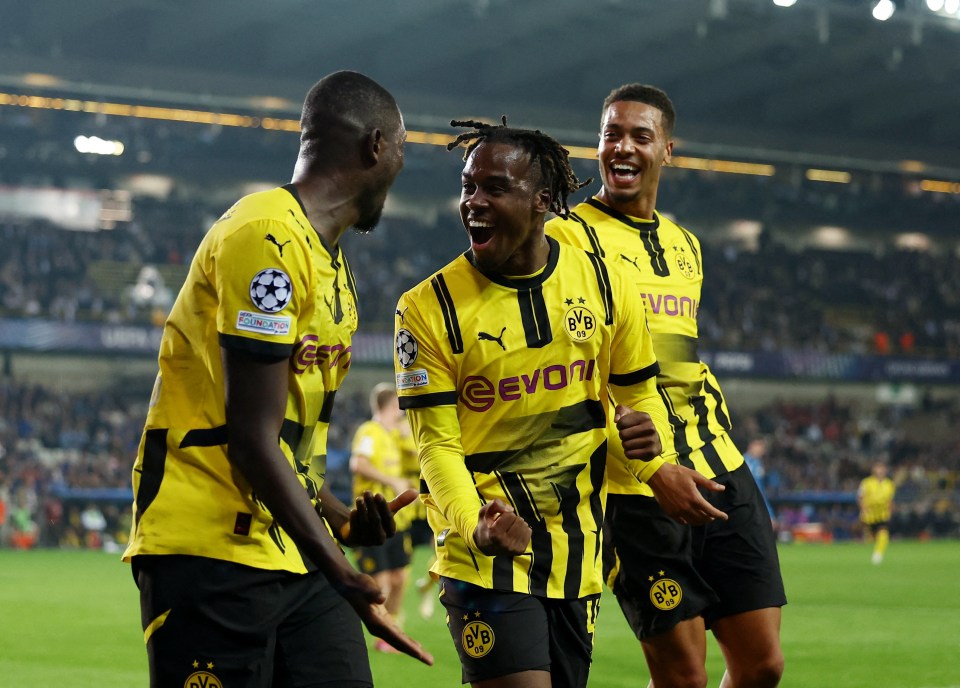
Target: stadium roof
pixel 821 80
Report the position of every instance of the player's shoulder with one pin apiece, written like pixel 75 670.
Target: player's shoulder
pixel 457 270
pixel 668 224
pixel 368 428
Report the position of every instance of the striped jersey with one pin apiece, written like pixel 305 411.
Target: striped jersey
pixel 381 447
pixel 664 263
pixel 262 281
pixel 876 499
pixel 508 378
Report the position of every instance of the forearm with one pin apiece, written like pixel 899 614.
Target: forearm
pixel 275 484
pixel 363 467
pixel 442 467
pixel 644 397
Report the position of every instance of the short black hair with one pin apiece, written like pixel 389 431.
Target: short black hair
pixel 345 98
pixel 644 93
pixel 552 158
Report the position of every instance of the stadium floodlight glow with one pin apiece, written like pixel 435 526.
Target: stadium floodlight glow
pixel 835 176
pixel 97 146
pixel 952 7
pixel 934 5
pixel 784 3
pixel 883 10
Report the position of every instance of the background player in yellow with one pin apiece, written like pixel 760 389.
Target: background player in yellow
pixel 377 464
pixel 504 361
pixel 673 580
pixel 875 498
pixel 241 583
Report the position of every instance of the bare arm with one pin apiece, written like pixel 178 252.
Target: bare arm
pixel 256 394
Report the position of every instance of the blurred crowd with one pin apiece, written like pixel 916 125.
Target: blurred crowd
pixel 65 461
pixel 903 303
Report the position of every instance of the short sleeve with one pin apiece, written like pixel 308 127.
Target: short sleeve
pixel 262 281
pixel 425 376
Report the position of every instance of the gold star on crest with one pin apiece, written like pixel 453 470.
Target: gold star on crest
pixel 209 665
pixel 650 579
pixel 660 572
pixel 466 617
pixel 196 664
pixel 477 614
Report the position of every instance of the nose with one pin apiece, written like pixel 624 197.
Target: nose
pixel 625 145
pixel 474 200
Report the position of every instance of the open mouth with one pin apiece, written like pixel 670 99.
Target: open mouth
pixel 480 233
pixel 623 174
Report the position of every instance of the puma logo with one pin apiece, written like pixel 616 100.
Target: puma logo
pixel 400 313
pixel 273 240
pixel 632 262
pixel 484 337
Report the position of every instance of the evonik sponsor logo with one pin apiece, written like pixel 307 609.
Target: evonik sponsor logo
pixel 479 393
pixel 309 352
pixel 672 305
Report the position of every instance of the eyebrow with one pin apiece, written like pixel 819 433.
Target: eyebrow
pixel 492 178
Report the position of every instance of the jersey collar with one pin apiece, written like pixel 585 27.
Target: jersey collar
pixel 523 282
pixel 625 219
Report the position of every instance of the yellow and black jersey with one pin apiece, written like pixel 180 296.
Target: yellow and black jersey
pixel 410 461
pixel 876 499
pixel 264 282
pixel 380 447
pixel 664 262
pixel 505 381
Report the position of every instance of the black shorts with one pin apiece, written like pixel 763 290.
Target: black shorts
pixel 499 633
pixel 214 623
pixel 393 554
pixel 663 573
pixel 878 526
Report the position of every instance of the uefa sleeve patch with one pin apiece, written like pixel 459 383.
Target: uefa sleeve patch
pixel 407 348
pixel 412 378
pixel 265 324
pixel 271 290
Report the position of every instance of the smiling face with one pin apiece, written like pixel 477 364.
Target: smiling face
pixel 633 148
pixel 502 206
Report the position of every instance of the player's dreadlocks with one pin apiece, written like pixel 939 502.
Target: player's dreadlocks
pixel 555 170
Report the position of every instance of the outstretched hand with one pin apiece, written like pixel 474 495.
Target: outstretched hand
pixel 638 434
pixel 366 598
pixel 675 488
pixel 371 522
pixel 501 530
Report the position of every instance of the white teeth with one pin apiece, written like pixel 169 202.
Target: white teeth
pixel 623 168
pixel 474 223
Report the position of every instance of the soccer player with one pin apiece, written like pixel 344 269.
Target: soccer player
pixel 875 498
pixel 675 579
pixel 504 361
pixel 241 583
pixel 376 463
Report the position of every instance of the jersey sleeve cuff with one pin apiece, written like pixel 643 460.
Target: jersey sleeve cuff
pixel 645 469
pixel 428 400
pixel 636 377
pixel 257 347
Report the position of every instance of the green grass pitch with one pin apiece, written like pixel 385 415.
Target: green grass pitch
pixel 71 619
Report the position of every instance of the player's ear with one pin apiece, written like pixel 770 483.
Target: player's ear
pixel 372 146
pixel 668 153
pixel 542 201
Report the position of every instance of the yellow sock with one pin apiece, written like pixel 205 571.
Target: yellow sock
pixel 883 539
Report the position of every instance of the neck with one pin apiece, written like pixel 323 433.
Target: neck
pixel 329 210
pixel 640 206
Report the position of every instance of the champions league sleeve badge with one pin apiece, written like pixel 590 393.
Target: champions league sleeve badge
pixel 407 348
pixel 271 290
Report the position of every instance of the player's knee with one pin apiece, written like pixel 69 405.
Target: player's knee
pixel 766 673
pixel 682 677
